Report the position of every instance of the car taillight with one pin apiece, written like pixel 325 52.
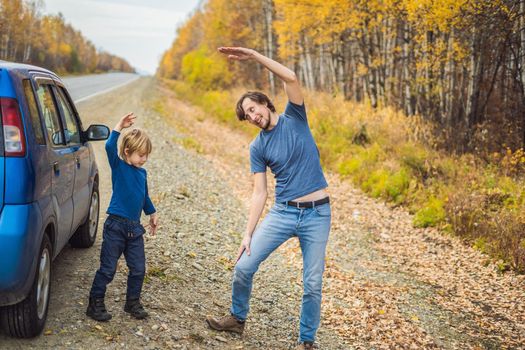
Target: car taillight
pixel 14 139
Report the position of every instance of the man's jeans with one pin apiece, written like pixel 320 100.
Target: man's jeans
pixel 312 226
pixel 121 236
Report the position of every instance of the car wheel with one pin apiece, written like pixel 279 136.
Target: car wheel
pixel 85 235
pixel 27 318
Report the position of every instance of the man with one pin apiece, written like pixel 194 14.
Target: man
pixel 285 145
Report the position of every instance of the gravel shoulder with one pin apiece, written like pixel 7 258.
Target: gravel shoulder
pixel 387 285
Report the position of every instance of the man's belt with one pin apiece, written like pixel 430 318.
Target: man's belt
pixel 311 204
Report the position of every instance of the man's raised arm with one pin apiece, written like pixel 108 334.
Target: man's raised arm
pixel 291 83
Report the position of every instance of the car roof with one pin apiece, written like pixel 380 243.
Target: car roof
pixel 25 68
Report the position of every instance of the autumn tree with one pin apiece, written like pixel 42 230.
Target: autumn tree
pixel 459 64
pixel 48 41
pixel 219 23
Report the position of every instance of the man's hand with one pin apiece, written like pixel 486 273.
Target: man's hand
pixel 245 246
pixel 237 53
pixel 125 122
pixel 153 224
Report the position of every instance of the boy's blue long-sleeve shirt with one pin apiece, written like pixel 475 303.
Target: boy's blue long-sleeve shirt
pixel 130 185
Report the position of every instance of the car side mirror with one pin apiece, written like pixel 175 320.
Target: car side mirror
pixel 97 132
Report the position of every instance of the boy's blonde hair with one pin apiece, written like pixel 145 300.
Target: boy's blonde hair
pixel 135 140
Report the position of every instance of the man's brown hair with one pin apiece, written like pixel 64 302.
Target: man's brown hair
pixel 255 96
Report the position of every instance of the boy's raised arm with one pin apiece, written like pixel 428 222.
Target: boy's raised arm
pixel 125 122
pixel 111 148
pixel 111 144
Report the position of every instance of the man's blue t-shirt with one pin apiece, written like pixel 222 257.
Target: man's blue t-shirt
pixel 130 185
pixel 289 150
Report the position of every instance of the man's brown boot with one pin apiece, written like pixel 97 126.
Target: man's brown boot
pixel 226 323
pixel 305 346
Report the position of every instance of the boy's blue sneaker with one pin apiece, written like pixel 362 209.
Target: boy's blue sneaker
pixel 97 310
pixel 135 309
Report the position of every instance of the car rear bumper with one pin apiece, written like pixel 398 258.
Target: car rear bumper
pixel 20 236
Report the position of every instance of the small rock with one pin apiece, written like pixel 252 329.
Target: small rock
pixel 221 339
pixel 197 266
pixel 218 303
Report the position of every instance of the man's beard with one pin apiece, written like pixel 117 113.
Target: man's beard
pixel 268 122
pixel 267 125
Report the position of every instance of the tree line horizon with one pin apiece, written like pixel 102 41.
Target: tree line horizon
pixel 27 36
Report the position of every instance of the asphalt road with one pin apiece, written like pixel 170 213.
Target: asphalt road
pixel 87 86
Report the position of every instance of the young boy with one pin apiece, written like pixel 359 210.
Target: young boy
pixel 122 229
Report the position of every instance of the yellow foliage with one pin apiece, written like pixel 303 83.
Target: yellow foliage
pixel 64 49
pixel 205 69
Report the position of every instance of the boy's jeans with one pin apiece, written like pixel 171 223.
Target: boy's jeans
pixel 121 236
pixel 312 226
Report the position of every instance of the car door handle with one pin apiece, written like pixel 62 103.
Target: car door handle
pixel 56 168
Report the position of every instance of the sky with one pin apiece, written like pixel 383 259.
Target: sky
pixel 137 30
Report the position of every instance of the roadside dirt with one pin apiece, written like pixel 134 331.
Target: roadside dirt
pixel 387 285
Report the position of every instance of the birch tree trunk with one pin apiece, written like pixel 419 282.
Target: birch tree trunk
pixel 474 81
pixel 521 29
pixel 269 43
pixel 406 73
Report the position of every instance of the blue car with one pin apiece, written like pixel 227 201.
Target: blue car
pixel 48 190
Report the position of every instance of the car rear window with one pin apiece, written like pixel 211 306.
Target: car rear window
pixel 50 113
pixel 33 111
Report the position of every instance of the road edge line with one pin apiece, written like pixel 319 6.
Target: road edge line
pixel 106 91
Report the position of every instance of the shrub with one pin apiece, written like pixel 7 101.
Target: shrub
pixel 190 143
pixel 397 186
pixel 361 137
pixel 376 183
pixel 350 166
pixel 432 214
pixel 415 158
